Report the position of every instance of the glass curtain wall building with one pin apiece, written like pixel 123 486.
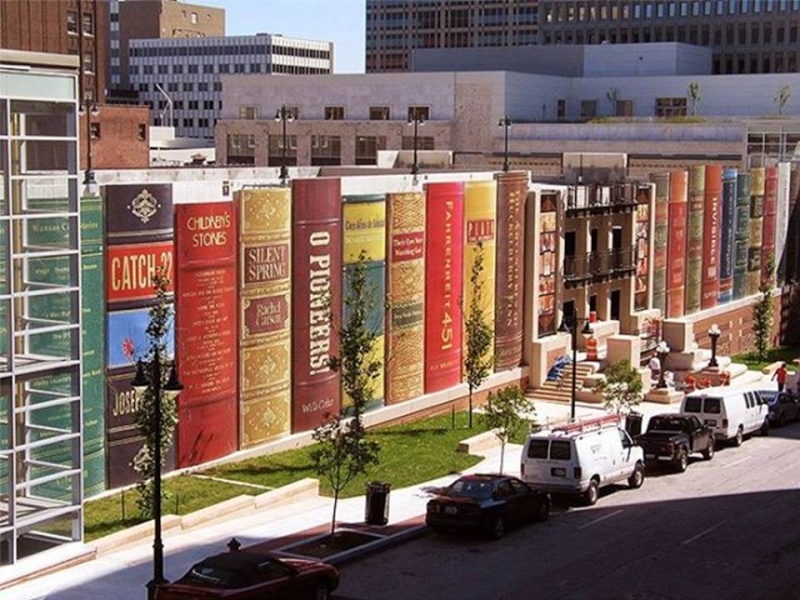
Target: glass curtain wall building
pixel 41 485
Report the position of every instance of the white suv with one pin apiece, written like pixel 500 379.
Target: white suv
pixel 580 458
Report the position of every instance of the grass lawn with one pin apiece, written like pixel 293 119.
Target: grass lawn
pixel 783 353
pixel 411 453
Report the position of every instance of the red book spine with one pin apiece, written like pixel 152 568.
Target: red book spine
pixel 676 243
pixel 206 331
pixel 444 273
pixel 711 236
pixel 694 239
pixel 316 299
pixel 770 216
pixel 512 192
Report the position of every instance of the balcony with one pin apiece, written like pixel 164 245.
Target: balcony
pixel 601 199
pixel 594 267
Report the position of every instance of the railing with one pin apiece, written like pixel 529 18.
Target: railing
pixel 596 265
pixel 602 196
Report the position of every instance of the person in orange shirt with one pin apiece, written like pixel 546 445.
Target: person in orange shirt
pixel 780 375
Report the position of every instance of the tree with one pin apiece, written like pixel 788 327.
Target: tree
pixel 478 332
pixel 762 310
pixel 158 327
pixel 621 388
pixel 343 451
pixel 782 97
pixel 694 96
pixel 612 95
pixel 504 415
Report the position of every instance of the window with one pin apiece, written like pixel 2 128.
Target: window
pixel 670 107
pixel 188 123
pixel 188 86
pixel 144 87
pixel 561 109
pixel 202 86
pixel 94 130
pixel 72 22
pixel 419 112
pixel 538 449
pixel 224 68
pixel 88 62
pixel 162 69
pixel 193 105
pixel 560 450
pixel 88 24
pixel 326 150
pixel 177 69
pixel 379 113
pixel 208 104
pixel 217 86
pixel 367 148
pixel 172 86
pixel 142 132
pixel 255 67
pixel 423 142
pixel 194 18
pixel 588 109
pixel 334 113
pixel 248 112
pixel 202 122
pixel 275 150
pixel 192 69
pixel 208 69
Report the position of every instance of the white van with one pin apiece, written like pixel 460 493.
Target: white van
pixel 582 457
pixel 732 413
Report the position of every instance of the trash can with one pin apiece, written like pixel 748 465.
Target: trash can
pixel 377 509
pixel 633 423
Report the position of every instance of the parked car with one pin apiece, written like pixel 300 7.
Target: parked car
pixel 240 575
pixel 674 437
pixel 580 458
pixel 783 406
pixel 731 412
pixel 488 504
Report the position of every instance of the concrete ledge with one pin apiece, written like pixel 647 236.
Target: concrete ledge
pixel 288 494
pixel 771 368
pixel 137 533
pixel 479 443
pixel 228 508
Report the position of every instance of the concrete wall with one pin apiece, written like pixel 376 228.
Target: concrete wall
pixel 645 60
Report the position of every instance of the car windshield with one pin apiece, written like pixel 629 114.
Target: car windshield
pixel 662 424
pixel 210 575
pixel 472 488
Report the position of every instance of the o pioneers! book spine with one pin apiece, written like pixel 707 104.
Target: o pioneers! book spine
pixel 741 241
pixel 405 326
pixel 265 349
pixel 694 247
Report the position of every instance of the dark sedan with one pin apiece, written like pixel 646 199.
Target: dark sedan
pixel 486 503
pixel 242 575
pixel 783 406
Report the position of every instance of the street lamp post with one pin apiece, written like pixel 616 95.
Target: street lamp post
pixel 418 122
pixel 569 324
pixel 284 115
pixel 714 332
pixel 89 109
pixel 505 123
pixel 173 387
pixel 662 349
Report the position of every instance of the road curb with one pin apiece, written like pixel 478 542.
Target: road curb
pixel 379 545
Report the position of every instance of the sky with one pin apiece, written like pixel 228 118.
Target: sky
pixel 339 21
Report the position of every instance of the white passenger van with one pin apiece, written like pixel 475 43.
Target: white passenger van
pixel 582 457
pixel 732 413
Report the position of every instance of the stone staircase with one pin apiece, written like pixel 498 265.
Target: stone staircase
pixel 552 392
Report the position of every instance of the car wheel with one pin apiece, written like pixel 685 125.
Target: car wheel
pixel 682 460
pixel 498 528
pixel 322 592
pixel 764 428
pixel 708 453
pixel 543 510
pixel 739 437
pixel 636 479
pixel 592 493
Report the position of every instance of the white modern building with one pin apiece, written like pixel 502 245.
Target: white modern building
pixel 181 78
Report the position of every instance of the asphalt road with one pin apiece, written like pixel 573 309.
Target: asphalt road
pixel 727 528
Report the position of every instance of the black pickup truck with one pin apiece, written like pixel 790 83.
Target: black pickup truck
pixel 674 437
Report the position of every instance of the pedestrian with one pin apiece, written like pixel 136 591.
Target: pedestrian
pixel 780 375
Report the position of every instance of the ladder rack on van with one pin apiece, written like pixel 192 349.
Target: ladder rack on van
pixel 588 424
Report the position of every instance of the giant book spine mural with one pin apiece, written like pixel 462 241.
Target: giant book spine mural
pixel 782 221
pixel 512 192
pixel 660 237
pixel 265 352
pixel 405 327
pixel 139 234
pixel 792 252
pixel 364 222
pixel 727 234
pixel 93 324
pixel 444 271
pixel 206 331
pixel 480 222
pixel 711 236
pixel 676 243
pixel 316 300
pixel 770 215
pixel 694 243
pixel 741 241
pixel 754 266
pixel 547 251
